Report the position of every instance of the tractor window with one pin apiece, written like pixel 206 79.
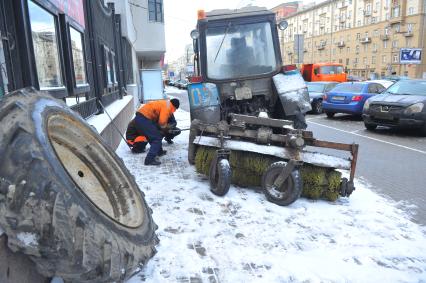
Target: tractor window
pixel 236 51
pixel 331 70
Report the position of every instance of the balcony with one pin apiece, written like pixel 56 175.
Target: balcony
pixel 384 37
pixel 341 44
pixel 342 19
pixel 396 20
pixel 321 46
pixel 365 40
pixel 408 33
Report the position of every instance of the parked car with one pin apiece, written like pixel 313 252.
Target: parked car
pixel 316 91
pixel 182 84
pixel 403 105
pixel 349 97
pixel 385 83
pixel 172 83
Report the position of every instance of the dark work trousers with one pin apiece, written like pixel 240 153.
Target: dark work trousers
pixel 152 133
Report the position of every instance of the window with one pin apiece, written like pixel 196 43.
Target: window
pixel 108 67
pixel 410 11
pixel 46 51
pixel 77 53
pixel 373 60
pixel 384 59
pixel 114 69
pixel 372 88
pixel 155 9
pixel 395 58
pixel 394 43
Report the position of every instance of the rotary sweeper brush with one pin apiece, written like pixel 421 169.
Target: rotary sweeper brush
pixel 248 114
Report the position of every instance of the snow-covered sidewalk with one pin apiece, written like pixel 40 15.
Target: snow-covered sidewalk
pixel 244 238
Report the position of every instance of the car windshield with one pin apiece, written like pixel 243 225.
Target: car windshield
pixel 348 87
pixel 331 70
pixel 407 87
pixel 312 87
pixel 235 51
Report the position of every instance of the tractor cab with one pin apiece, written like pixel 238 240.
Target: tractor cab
pixel 238 61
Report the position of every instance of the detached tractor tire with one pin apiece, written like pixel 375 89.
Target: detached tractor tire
pixel 66 199
pixel 290 190
pixel 220 177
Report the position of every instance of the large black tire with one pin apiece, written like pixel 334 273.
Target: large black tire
pixel 85 223
pixel 290 190
pixel 220 181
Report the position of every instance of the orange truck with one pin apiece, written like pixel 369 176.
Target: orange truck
pixel 329 72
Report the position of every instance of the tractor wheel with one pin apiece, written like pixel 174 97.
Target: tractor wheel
pixel 290 190
pixel 66 200
pixel 220 177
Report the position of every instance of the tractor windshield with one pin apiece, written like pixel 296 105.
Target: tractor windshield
pixel 236 51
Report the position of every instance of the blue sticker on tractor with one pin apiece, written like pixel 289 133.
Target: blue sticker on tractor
pixel 203 95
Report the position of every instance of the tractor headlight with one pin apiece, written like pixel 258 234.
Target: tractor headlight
pixel 415 108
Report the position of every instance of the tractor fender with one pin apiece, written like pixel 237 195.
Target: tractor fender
pixel 293 93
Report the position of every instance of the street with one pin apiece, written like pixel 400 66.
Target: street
pixel 242 237
pixel 391 162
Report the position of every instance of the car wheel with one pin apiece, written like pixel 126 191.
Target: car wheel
pixel 330 114
pixel 423 131
pixel 317 107
pixel 370 127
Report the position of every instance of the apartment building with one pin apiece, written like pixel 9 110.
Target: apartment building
pixel 364 35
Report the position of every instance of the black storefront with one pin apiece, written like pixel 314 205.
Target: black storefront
pixel 72 49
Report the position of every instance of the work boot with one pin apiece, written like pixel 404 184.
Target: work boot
pixel 152 162
pixel 169 141
pixel 162 152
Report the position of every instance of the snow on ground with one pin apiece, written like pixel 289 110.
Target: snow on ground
pixel 244 238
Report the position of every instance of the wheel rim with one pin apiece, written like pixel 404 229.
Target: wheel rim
pixel 318 107
pixel 94 171
pixel 274 191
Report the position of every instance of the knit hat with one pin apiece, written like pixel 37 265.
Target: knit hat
pixel 175 102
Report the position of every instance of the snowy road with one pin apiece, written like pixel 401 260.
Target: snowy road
pixel 243 238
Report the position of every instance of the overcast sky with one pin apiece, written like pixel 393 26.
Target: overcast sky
pixel 181 18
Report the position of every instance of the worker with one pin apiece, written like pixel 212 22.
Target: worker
pixel 135 138
pixel 151 120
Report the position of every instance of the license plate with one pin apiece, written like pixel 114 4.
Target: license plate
pixel 385 117
pixel 340 98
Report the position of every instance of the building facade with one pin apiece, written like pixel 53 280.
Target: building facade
pixel 366 36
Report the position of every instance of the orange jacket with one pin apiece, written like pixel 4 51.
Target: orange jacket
pixel 158 111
